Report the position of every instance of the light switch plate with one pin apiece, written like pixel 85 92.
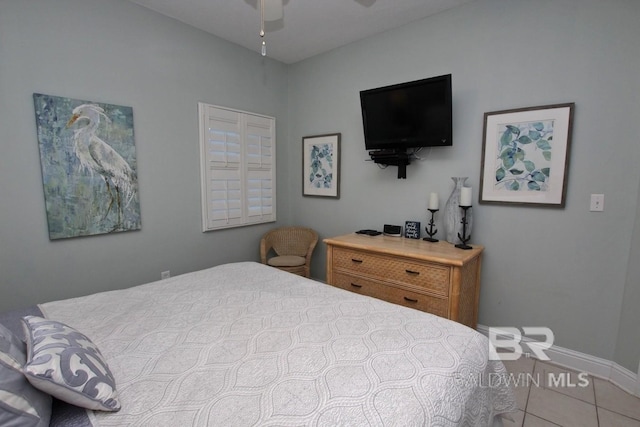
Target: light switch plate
pixel 597 203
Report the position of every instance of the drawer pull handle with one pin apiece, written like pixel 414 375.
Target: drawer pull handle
pixel 355 285
pixel 415 273
pixel 357 261
pixel 410 299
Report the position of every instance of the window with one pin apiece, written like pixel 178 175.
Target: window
pixel 237 161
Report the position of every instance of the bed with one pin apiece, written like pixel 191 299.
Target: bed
pixel 243 344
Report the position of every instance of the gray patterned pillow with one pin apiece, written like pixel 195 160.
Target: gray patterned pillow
pixel 21 404
pixel 66 364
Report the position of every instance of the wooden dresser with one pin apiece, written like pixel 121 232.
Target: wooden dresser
pixel 434 277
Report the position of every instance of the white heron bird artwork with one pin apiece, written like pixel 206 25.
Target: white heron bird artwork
pixel 88 161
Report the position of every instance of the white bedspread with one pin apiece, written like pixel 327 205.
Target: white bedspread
pixel 247 345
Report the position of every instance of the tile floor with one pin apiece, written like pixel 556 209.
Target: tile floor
pixel 551 396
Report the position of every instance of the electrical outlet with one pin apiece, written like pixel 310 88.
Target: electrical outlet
pixel 597 203
pixel 165 275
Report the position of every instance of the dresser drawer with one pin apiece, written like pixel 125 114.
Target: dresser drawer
pixel 430 276
pixel 433 305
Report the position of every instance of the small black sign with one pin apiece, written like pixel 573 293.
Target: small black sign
pixel 412 229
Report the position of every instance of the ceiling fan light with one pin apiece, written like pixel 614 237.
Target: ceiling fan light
pixel 273 10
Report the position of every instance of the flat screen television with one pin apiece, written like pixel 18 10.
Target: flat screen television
pixel 408 115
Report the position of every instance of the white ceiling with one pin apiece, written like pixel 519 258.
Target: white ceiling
pixel 309 27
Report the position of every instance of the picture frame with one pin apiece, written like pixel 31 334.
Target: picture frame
pixel 321 165
pixel 89 167
pixel 412 229
pixel 525 156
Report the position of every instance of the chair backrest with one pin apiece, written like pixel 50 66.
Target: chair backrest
pixel 292 240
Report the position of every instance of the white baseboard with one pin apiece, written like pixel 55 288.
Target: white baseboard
pixel 598 367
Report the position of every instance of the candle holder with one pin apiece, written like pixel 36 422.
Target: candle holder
pixel 430 231
pixel 464 239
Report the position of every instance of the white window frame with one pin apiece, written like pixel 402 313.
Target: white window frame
pixel 237 167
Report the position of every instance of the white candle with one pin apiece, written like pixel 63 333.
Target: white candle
pixel 433 201
pixel 465 196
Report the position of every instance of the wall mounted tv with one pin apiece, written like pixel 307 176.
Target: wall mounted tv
pixel 408 115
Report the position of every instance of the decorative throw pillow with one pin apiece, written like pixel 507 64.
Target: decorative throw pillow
pixel 21 404
pixel 66 364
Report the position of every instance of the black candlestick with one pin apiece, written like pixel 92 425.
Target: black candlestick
pixel 430 231
pixel 464 239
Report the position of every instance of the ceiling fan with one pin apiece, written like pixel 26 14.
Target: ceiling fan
pixel 270 10
pixel 273 10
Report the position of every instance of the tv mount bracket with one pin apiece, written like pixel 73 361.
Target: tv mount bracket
pixel 392 158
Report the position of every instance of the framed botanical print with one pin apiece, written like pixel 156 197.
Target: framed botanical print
pixel 525 155
pixel 321 165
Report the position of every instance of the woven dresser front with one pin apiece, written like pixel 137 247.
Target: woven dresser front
pixel 421 275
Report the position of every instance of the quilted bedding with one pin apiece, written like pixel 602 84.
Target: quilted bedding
pixel 244 344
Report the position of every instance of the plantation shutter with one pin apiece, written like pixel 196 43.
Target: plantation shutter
pixel 260 177
pixel 237 167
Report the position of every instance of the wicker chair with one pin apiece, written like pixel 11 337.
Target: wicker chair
pixel 293 247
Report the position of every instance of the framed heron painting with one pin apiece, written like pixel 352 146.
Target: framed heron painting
pixel 89 170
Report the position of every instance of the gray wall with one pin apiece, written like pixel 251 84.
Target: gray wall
pixel 561 268
pixel 117 52
pixel 628 344
pixel 568 269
